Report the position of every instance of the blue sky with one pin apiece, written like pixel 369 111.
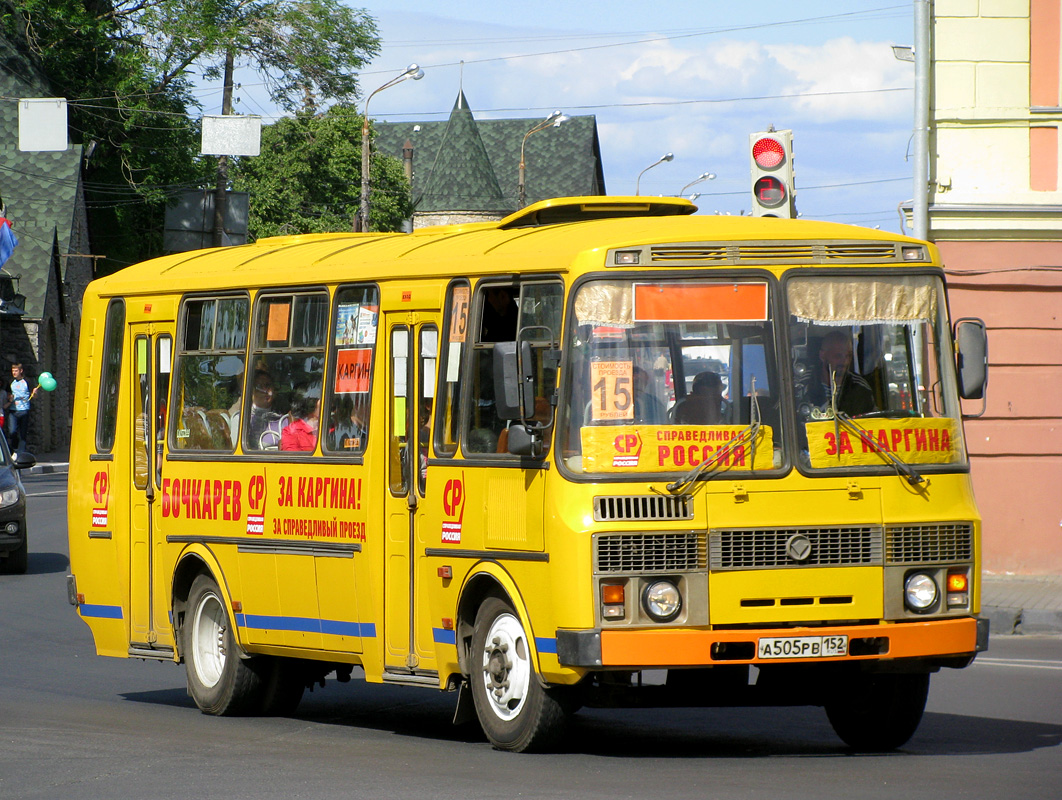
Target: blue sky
pixel 692 78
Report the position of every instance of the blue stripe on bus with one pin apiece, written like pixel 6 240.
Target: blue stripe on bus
pixel 443 636
pixel 100 612
pixel 334 627
pixel 546 645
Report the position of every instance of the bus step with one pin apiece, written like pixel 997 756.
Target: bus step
pixel 157 653
pixel 430 678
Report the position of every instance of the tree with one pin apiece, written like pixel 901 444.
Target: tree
pixel 307 178
pixel 128 66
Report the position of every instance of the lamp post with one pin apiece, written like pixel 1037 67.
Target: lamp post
pixel 661 160
pixel 554 120
pixel 412 71
pixel 704 176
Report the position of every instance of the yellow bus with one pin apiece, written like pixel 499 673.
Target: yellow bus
pixel 603 452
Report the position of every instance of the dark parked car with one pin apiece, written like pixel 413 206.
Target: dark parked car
pixel 14 547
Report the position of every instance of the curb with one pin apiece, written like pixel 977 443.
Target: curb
pixel 47 469
pixel 1018 621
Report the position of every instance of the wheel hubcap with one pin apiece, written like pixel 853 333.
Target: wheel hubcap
pixel 209 626
pixel 506 666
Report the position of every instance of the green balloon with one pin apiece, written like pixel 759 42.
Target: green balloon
pixel 46 381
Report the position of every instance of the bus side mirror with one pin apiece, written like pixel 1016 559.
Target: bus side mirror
pixel 971 340
pixel 514 396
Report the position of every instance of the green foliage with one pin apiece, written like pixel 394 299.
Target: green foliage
pixel 127 68
pixel 308 177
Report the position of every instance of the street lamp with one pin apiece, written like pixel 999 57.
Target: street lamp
pixel 412 71
pixel 704 176
pixel 554 120
pixel 661 160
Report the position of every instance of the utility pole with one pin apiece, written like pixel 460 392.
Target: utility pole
pixel 221 190
pixel 920 209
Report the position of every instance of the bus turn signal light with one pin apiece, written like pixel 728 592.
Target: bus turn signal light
pixel 613 601
pixel 957 582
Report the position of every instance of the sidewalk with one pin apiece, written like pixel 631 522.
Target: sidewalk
pixel 1018 604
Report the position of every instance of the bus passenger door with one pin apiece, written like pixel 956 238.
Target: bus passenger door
pixel 152 353
pixel 412 342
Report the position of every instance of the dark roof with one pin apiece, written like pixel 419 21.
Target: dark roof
pixel 38 189
pixel 449 167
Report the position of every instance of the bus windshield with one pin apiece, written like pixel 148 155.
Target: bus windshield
pixel 669 374
pixel 664 374
pixel 874 353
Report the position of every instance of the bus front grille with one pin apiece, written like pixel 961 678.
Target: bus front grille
pixel 642 507
pixel 920 544
pixel 764 548
pixel 649 552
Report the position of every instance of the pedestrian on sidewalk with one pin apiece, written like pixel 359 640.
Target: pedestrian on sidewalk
pixel 21 397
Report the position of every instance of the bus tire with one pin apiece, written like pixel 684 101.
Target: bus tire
pixel 876 713
pixel 514 709
pixel 219 680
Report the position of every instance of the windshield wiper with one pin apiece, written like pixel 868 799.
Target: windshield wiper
pixel 902 467
pixel 719 458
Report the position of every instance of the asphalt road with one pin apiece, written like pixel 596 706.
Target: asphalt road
pixel 75 725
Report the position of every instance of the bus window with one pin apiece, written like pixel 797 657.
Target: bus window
pixel 346 421
pixel 287 369
pixel 429 351
pixel 533 308
pixel 209 373
pixel 110 376
pixel 455 334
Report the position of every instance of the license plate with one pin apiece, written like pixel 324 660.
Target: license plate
pixel 803 646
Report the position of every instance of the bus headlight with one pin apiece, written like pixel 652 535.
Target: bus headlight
pixel 920 591
pixel 662 601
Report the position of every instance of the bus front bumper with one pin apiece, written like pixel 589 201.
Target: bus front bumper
pixel 947 641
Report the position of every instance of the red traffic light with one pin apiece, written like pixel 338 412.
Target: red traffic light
pixel 770 192
pixel 768 153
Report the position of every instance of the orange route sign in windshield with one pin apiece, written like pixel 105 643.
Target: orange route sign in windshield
pixel 611 390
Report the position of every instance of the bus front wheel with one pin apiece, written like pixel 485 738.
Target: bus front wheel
pixel 875 713
pixel 219 680
pixel 515 711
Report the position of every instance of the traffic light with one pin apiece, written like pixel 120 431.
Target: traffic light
pixel 772 174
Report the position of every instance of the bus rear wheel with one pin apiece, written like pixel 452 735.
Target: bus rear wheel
pixel 219 680
pixel 875 713
pixel 515 710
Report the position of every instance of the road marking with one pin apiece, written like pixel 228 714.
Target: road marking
pixel 1031 663
pixel 45 494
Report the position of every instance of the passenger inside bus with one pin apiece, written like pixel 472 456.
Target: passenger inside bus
pixel 854 395
pixel 350 424
pixel 261 413
pixel 704 404
pixel 301 433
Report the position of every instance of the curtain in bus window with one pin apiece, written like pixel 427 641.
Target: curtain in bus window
pixel 828 301
pixel 605 303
